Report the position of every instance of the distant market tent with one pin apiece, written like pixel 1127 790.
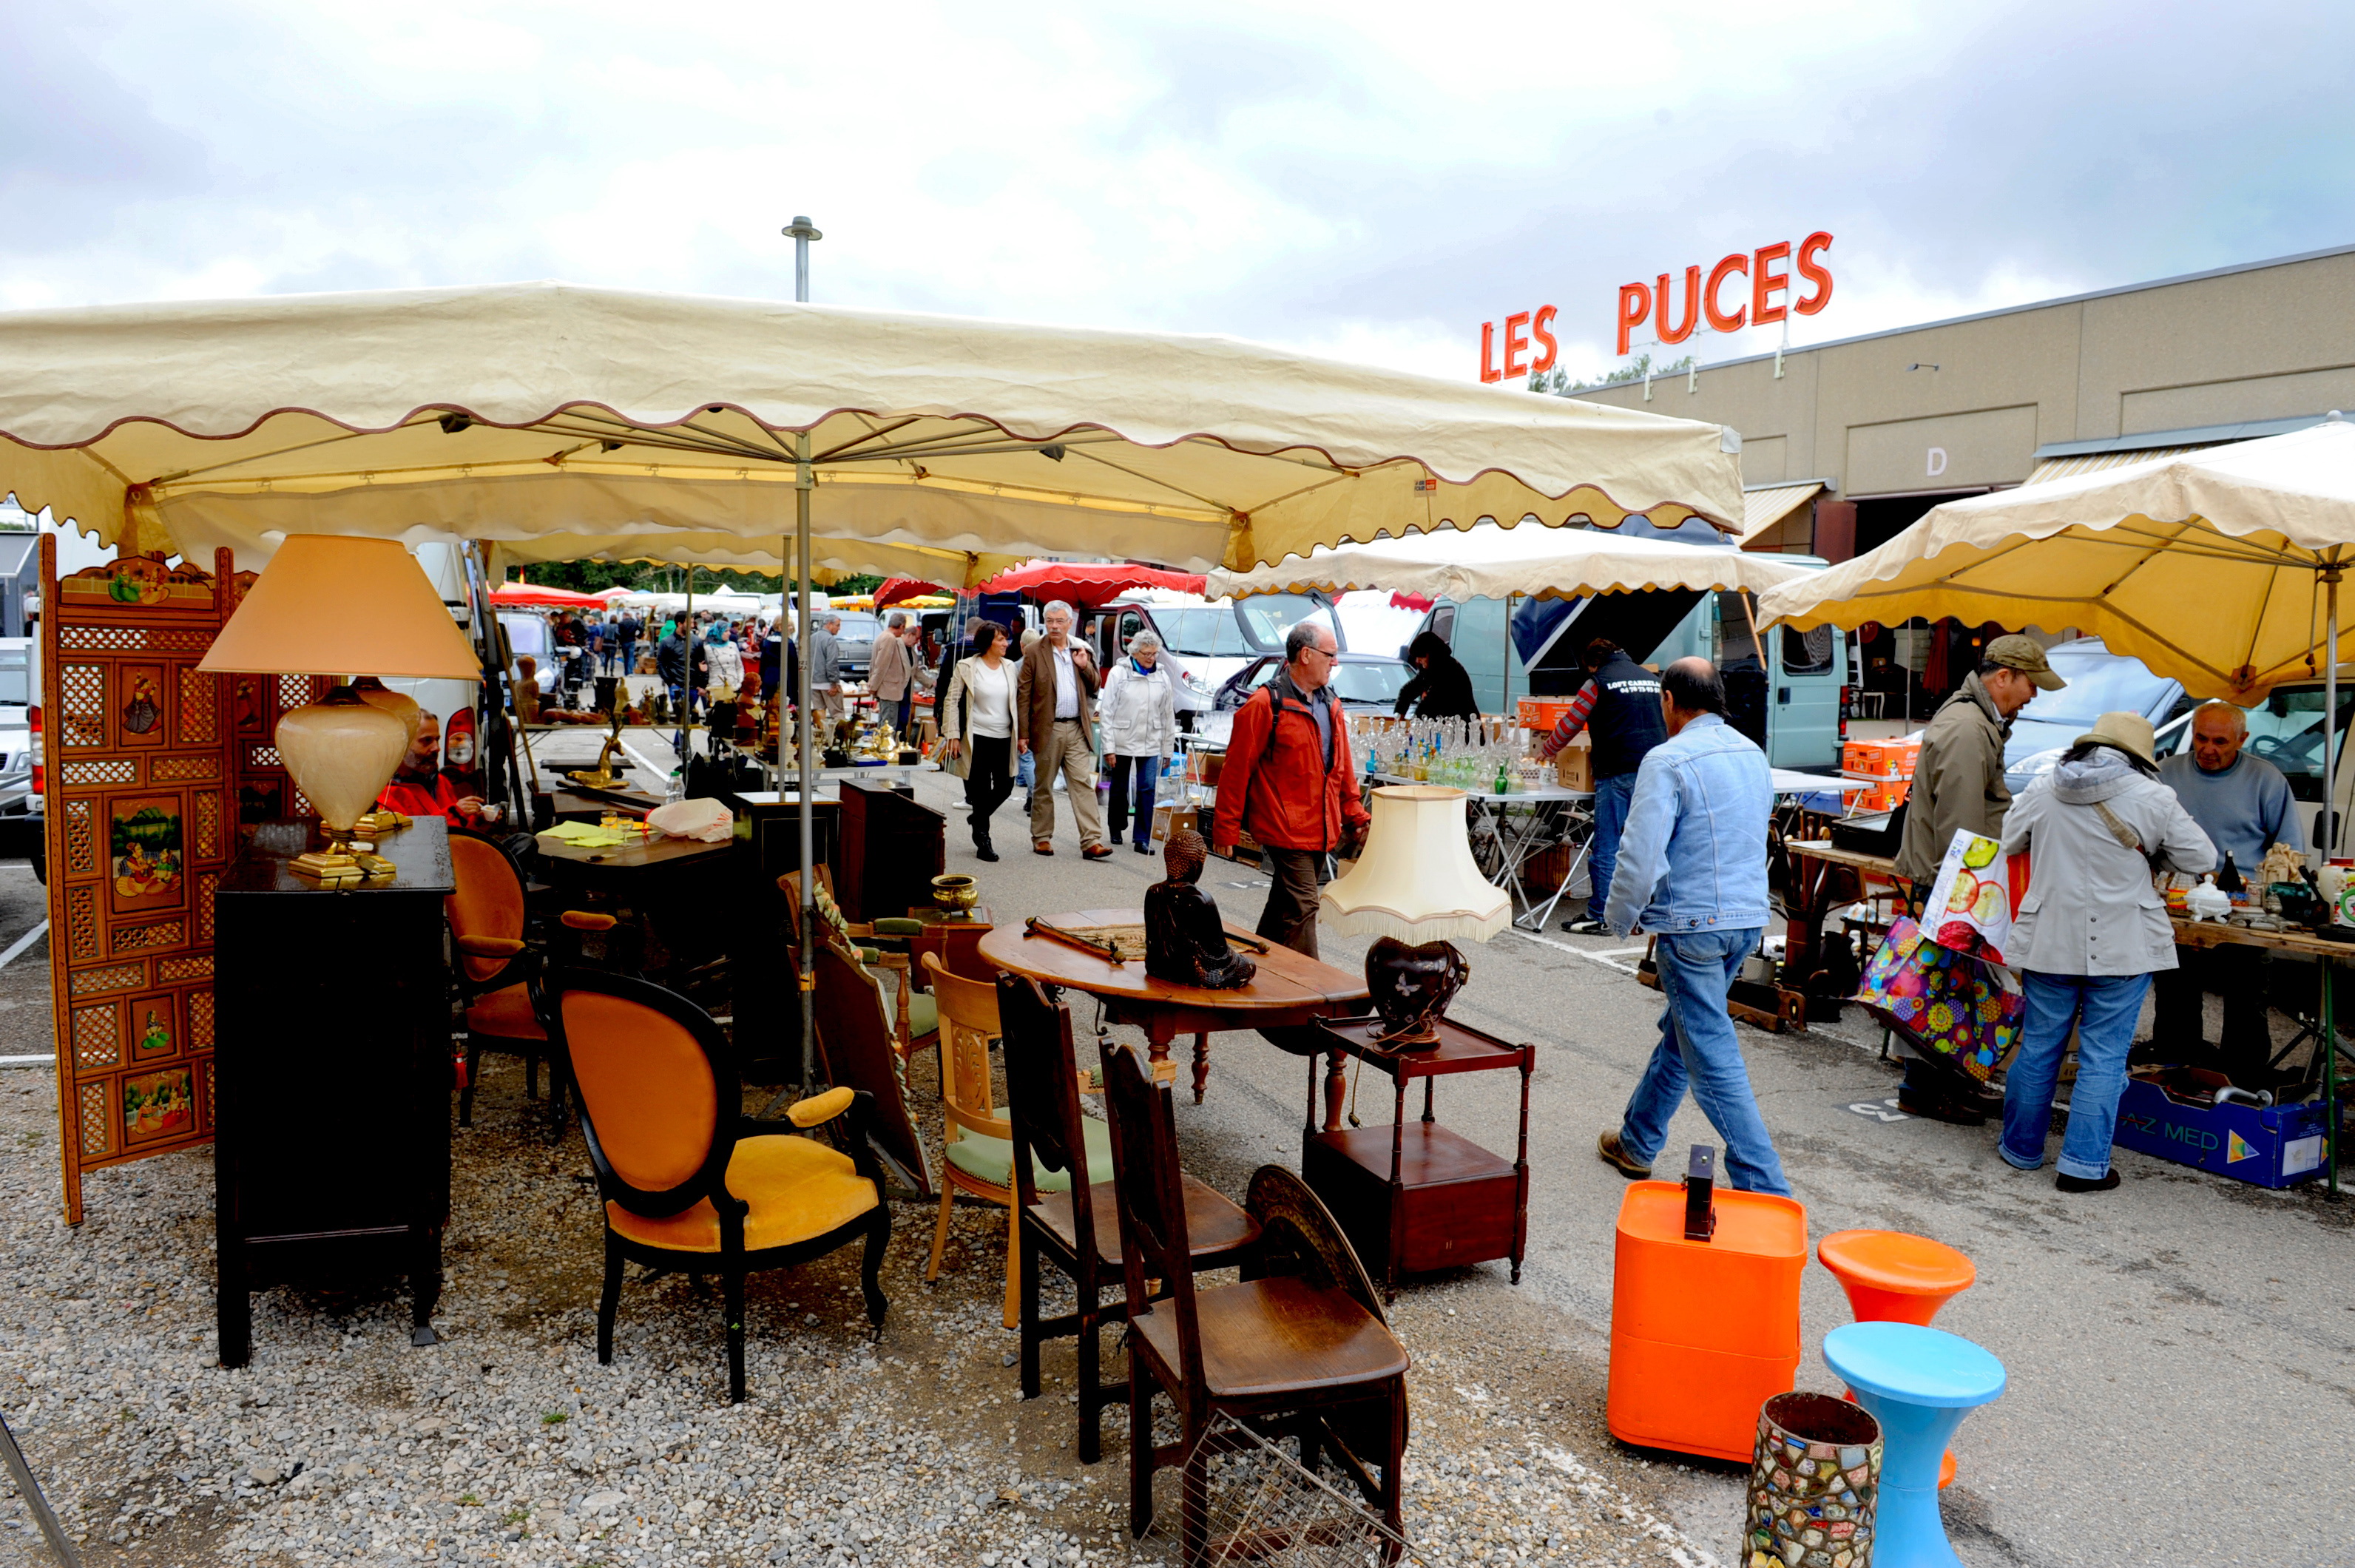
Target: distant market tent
pixel 1089 584
pixel 1529 562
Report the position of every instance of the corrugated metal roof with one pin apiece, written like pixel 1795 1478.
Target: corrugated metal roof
pixel 1764 508
pixel 2094 462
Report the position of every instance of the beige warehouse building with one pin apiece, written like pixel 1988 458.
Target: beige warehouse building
pixel 1844 444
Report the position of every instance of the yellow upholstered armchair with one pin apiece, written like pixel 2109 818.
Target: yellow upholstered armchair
pixel 691 1184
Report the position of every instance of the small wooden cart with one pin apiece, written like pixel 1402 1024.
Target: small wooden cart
pixel 1413 1196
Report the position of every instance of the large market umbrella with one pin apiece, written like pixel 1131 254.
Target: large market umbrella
pixel 541 596
pixel 1496 562
pixel 518 412
pixel 553 422
pixel 2219 566
pixel 1089 584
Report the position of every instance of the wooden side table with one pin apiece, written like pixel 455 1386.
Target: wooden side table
pixel 331 1157
pixel 1413 1196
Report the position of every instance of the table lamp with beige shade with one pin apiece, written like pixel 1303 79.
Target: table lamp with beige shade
pixel 327 604
pixel 1415 883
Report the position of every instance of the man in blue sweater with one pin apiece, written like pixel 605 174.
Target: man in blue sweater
pixel 2244 805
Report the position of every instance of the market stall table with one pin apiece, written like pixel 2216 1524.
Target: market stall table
pixel 680 890
pixel 1810 900
pixel 1291 990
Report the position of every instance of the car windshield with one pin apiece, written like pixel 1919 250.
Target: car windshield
pixel 858 627
pixel 526 635
pixel 2285 730
pixel 1375 682
pixel 1266 617
pixel 2099 682
pixel 1202 632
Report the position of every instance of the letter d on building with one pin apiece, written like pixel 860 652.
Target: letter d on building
pixel 1938 460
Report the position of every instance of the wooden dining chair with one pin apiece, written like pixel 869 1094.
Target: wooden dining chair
pixel 692 1185
pixel 855 1047
pixel 977 1144
pixel 1074 1227
pixel 499 967
pixel 1283 1348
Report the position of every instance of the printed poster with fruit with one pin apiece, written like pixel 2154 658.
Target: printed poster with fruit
pixel 1970 906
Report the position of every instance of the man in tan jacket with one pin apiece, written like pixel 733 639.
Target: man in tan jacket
pixel 1056 695
pixel 1958 784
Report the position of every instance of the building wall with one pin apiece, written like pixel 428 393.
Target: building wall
pixel 2271 340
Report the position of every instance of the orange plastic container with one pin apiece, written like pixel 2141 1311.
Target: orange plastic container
pixel 1542 713
pixel 1702 1333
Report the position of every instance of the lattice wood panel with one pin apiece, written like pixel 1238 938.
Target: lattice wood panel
pixel 140 826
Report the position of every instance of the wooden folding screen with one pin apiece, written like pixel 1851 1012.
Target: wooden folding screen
pixel 151 766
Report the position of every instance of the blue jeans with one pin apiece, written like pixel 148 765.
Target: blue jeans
pixel 2104 1009
pixel 1148 775
pixel 1698 1047
pixel 1611 798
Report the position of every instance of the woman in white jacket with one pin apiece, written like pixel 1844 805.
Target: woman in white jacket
pixel 2091 932
pixel 1137 716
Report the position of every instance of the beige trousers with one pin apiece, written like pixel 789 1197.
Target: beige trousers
pixel 1065 748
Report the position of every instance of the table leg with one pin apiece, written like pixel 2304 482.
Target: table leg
pixel 424 1283
pixel 1157 1036
pixel 1201 1064
pixel 1336 1088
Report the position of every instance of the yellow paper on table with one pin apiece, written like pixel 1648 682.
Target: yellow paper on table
pixel 585 834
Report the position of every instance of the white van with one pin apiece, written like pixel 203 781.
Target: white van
pixel 1207 641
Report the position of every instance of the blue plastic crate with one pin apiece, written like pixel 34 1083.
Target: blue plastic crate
pixel 2277 1145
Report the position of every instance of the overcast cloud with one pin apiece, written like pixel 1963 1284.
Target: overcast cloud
pixel 1372 183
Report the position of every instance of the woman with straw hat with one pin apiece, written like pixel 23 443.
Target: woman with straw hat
pixel 2091 929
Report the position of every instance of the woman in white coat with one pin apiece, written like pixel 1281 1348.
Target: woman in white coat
pixel 1137 716
pixel 2091 932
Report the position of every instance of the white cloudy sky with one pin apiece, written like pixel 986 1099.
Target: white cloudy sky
pixel 1370 181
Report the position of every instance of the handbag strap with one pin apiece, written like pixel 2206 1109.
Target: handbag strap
pixel 2118 828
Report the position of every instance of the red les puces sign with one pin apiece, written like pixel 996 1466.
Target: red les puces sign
pixel 1639 303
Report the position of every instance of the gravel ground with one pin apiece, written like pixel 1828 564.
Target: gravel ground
pixel 508 1443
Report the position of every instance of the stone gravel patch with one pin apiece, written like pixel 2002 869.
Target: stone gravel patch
pixel 508 1444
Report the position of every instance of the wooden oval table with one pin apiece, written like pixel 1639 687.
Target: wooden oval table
pixel 1290 990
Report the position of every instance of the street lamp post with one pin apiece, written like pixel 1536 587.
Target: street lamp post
pixel 801 231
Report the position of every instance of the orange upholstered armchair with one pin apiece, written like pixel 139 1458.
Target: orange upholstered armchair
pixel 691 1184
pixel 499 969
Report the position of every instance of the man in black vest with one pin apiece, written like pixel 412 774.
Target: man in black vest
pixel 1619 706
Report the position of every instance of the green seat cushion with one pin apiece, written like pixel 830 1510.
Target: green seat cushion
pixel 991 1160
pixel 898 926
pixel 870 955
pixel 923 1015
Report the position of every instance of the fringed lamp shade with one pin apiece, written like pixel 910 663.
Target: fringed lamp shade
pixel 1416 879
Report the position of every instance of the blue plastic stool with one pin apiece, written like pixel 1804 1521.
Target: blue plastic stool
pixel 1918 1383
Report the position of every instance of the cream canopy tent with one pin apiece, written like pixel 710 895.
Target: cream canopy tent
pixel 546 418
pixel 2217 567
pixel 1496 563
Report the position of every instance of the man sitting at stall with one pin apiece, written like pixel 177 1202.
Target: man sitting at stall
pixel 420 788
pixel 2243 804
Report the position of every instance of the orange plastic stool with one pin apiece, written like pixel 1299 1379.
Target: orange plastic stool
pixel 1702 1333
pixel 1892 1277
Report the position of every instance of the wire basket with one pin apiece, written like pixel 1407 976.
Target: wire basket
pixel 1260 1505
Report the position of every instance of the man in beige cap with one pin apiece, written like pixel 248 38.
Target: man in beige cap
pixel 1959 783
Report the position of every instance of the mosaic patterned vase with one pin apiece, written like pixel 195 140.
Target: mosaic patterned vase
pixel 1812 1485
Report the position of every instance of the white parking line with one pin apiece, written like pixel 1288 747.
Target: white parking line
pixel 42 1060
pixel 24 942
pixel 1609 957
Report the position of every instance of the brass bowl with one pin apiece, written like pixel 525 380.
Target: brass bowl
pixel 955 894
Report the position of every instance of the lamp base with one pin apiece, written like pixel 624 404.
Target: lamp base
pixel 1411 988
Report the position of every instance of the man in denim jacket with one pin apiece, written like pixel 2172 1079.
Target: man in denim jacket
pixel 1692 872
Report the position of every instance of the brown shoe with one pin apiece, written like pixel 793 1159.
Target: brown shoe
pixel 1095 852
pixel 1040 847
pixel 1608 1150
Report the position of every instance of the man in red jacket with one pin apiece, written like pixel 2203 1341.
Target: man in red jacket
pixel 1287 781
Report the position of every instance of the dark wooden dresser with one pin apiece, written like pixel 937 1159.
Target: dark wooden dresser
pixel 331 1156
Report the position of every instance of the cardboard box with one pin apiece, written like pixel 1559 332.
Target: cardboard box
pixel 1541 714
pixel 1574 765
pixel 1169 819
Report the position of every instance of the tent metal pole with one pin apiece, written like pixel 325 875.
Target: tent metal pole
pixel 801 231
pixel 2329 835
pixel 805 730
